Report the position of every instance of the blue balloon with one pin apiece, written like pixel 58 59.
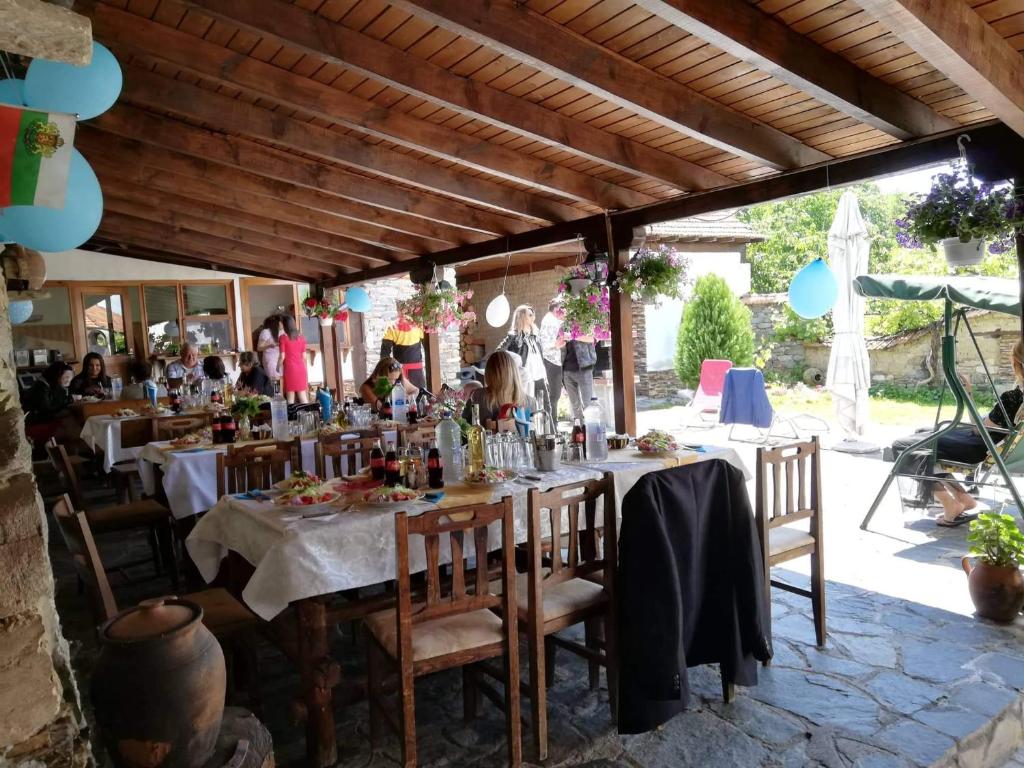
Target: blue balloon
pixel 59 229
pixel 814 290
pixel 12 91
pixel 19 311
pixel 358 299
pixel 86 91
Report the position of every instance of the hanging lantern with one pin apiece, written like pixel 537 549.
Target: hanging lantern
pixel 813 290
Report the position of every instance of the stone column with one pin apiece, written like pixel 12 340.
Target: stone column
pixel 39 713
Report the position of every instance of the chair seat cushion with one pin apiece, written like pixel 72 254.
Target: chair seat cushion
pixel 120 517
pixel 438 637
pixel 559 599
pixel 222 613
pixel 784 539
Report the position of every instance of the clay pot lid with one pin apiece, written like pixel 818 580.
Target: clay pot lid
pixel 152 618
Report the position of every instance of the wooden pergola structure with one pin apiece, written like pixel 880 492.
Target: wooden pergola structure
pixel 338 141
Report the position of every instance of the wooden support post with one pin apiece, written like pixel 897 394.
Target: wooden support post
pixel 435 376
pixel 332 361
pixel 1018 193
pixel 622 336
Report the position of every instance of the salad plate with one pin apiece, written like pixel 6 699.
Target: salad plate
pixel 490 476
pixel 656 443
pixel 389 497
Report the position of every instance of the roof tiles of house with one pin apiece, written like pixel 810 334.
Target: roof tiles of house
pixel 700 229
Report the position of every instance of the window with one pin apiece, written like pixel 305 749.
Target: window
pixel 205 299
pixel 49 326
pixel 104 324
pixel 197 313
pixel 163 331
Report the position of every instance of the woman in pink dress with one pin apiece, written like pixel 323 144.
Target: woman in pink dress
pixel 291 361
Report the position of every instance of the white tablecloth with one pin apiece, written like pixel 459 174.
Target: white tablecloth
pixel 296 558
pixel 104 433
pixel 190 476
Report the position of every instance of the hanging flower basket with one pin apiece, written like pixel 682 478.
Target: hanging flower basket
pixel 326 322
pixel 583 312
pixel 652 274
pixel 961 215
pixel 325 310
pixel 436 308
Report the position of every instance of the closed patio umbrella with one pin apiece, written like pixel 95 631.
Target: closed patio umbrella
pixel 849 371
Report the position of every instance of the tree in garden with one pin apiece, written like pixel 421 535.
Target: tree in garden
pixel 715 325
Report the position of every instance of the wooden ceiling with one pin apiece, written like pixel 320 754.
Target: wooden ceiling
pixel 321 139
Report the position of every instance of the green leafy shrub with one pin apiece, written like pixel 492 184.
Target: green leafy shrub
pixel 894 317
pixel 982 396
pixel 792 327
pixel 715 325
pixel 997 540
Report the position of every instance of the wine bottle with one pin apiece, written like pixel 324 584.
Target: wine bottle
pixel 476 438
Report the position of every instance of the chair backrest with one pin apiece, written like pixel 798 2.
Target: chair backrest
pixel 788 486
pixel 177 426
pixel 108 407
pixel 136 432
pixel 342 454
pixel 257 466
pixel 712 376
pixel 62 463
pixel 554 524
pixel 445 597
pixel 416 434
pixel 74 529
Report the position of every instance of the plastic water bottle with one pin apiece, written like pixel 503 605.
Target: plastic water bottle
pixel 597 442
pixel 279 414
pixel 449 443
pixel 399 406
pixel 149 390
pixel 323 397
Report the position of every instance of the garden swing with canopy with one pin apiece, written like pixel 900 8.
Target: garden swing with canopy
pixel 960 294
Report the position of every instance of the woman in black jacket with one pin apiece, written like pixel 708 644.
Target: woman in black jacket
pixel 523 339
pixel 253 379
pixel 93 380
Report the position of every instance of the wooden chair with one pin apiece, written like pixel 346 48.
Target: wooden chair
pixel 416 434
pixel 142 514
pixel 171 427
pixel 557 593
pixel 449 630
pixel 134 434
pixel 230 621
pixel 341 453
pixel 257 466
pixel 795 496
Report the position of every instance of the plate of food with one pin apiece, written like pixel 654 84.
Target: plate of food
pixel 160 410
pixel 125 413
pixel 490 476
pixel 388 496
pixel 656 443
pixel 331 429
pixel 299 481
pixel 308 497
pixel 189 440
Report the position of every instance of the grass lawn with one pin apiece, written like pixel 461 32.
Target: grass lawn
pixel 818 402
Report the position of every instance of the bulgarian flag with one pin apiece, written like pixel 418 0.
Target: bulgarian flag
pixel 35 155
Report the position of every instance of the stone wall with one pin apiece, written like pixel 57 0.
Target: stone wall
pixel 535 288
pixel 38 699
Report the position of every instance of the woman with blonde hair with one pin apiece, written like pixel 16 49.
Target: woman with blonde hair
pixel 502 386
pixel 524 340
pixel 965 445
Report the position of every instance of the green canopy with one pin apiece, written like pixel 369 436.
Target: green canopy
pixel 993 293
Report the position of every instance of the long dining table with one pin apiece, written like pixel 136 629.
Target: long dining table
pixel 300 557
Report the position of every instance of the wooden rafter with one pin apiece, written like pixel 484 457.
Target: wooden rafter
pixel 954 39
pixel 151 40
pixel 522 34
pixel 154 91
pixel 333 43
pixel 744 31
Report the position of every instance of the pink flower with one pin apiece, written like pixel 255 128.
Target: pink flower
pixel 592 299
pixel 562 287
pixel 469 317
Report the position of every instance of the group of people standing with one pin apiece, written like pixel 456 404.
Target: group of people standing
pixel 283 348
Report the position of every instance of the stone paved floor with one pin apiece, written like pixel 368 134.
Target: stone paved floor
pixel 908 676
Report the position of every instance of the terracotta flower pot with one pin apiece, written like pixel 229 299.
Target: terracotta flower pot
pixel 997 591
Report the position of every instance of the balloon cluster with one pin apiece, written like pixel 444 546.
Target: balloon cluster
pixel 56 87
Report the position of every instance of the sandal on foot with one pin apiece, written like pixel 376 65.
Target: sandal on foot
pixel 963 517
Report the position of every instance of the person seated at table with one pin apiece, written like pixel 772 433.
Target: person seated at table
pixel 253 380
pixel 502 386
pixel 93 380
pixel 46 405
pixel 187 367
pixel 965 445
pixel 142 374
pixel 390 369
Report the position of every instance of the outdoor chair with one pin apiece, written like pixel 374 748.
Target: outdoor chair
pixel 745 403
pixel 707 401
pixel 452 625
pixel 569 581
pixel 257 466
pixel 342 454
pixel 135 433
pixel 790 475
pixel 230 622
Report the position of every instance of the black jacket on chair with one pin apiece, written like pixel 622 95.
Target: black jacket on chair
pixel 690 588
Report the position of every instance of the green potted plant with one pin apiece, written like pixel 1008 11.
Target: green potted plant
pixel 651 274
pixel 325 310
pixel 245 409
pixel 961 215
pixel 585 312
pixel 436 308
pixel 995 581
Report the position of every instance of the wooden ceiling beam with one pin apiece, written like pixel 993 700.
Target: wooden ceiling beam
pixel 442 217
pixel 124 226
pixel 333 43
pixel 742 30
pixel 952 37
pixel 126 31
pixel 511 28
pixel 156 92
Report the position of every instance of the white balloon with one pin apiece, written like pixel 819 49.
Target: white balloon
pixel 498 311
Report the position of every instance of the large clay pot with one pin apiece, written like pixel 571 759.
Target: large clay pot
pixel 997 591
pixel 158 688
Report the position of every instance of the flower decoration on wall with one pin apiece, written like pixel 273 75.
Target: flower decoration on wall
pixel 436 309
pixel 324 309
pixel 653 273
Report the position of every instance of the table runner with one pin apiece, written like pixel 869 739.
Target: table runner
pixel 296 558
